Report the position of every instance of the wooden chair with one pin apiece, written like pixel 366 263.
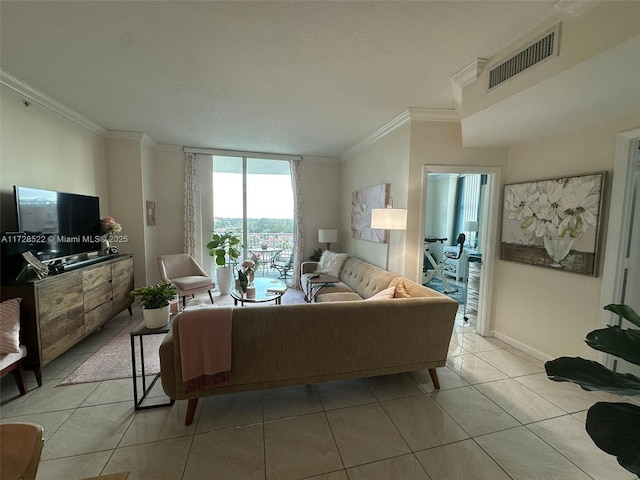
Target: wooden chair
pixel 20 450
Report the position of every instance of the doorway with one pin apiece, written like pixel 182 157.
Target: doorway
pixel 621 277
pixel 487 220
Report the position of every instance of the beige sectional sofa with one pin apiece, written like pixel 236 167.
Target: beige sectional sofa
pixel 342 335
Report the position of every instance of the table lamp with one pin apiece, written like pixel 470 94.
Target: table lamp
pixel 328 236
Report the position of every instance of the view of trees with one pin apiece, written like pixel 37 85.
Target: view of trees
pixel 254 225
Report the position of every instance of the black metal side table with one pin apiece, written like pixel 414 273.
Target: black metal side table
pixel 142 332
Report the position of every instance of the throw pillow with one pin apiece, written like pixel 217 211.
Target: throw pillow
pixel 401 291
pixel 386 294
pixel 331 263
pixel 10 326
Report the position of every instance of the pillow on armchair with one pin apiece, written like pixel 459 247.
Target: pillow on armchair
pixel 10 326
pixel 331 263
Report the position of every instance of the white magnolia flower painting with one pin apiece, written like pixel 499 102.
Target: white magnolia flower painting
pixel 554 223
pixel 362 202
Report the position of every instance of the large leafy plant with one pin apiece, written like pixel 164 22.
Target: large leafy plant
pixel 614 427
pixel 155 296
pixel 223 245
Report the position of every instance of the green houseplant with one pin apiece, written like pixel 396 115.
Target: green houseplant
pixel 224 246
pixel 613 427
pixel 155 303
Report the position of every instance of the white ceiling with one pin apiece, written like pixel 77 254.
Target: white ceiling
pixel 304 77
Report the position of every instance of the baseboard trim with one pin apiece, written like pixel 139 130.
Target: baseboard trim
pixel 521 346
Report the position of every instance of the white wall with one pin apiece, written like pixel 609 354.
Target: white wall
pixel 384 161
pixel 39 148
pixel 551 311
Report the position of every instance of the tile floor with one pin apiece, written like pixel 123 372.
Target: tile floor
pixel 496 417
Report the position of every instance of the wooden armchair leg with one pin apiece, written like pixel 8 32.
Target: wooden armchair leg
pixel 434 378
pixel 191 411
pixel 210 296
pixel 21 380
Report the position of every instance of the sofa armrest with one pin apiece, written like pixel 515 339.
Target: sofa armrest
pixel 308 267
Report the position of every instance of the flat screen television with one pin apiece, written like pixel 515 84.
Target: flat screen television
pixel 56 224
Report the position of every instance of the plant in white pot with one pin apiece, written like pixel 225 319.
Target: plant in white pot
pixel 224 246
pixel 155 301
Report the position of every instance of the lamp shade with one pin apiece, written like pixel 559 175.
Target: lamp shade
pixel 389 218
pixel 327 235
pixel 470 226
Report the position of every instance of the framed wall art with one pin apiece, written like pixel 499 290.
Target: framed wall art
pixel 554 223
pixel 362 202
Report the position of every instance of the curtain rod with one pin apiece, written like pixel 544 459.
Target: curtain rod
pixel 240 153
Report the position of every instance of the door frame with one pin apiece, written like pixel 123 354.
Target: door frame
pixel 618 227
pixel 488 238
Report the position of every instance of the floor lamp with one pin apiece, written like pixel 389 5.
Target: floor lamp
pixel 389 218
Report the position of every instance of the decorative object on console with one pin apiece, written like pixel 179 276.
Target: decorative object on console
pixel 155 301
pixel 389 218
pixel 362 203
pixel 554 223
pixel 108 227
pixel 328 236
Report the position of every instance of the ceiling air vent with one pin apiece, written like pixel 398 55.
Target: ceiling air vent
pixel 534 53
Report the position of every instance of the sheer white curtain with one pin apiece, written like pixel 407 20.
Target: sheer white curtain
pixel 190 203
pixel 298 222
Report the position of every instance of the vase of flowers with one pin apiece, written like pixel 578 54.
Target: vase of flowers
pixel 108 227
pixel 248 265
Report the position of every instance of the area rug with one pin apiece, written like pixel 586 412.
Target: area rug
pixel 113 361
pixel 459 296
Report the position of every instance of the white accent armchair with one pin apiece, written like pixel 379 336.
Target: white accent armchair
pixel 188 277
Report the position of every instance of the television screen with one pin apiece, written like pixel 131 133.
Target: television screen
pixel 56 224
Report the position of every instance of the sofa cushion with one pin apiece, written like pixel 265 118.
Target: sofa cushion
pixel 338 297
pixel 386 294
pixel 331 263
pixel 10 326
pixel 365 279
pixel 191 282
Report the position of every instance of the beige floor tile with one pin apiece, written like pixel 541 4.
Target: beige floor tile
pixel 90 429
pixel 473 411
pixel 300 447
pixel 50 421
pixel 422 422
pixel 155 424
pixel 568 435
pixel 569 397
pixel 521 403
pixel 339 475
pixel 49 398
pixel 231 454
pixel 111 391
pixel 474 343
pixel 365 434
pixel 447 377
pixel 460 461
pixel 345 393
pixel 405 467
pixel 473 369
pixel 290 402
pixel 509 363
pixel 71 468
pixel 524 456
pixel 388 387
pixel 232 410
pixel 529 358
pixel 457 338
pixel 164 460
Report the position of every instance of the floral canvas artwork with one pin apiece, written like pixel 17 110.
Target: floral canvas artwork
pixel 554 223
pixel 362 202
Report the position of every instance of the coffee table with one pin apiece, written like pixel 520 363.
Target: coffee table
pixel 267 290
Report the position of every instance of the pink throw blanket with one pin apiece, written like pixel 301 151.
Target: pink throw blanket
pixel 205 346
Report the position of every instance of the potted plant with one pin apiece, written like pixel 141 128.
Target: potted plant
pixel 613 427
pixel 155 303
pixel 224 247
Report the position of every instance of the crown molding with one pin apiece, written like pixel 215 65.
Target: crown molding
pixel 327 160
pixel 469 73
pixel 411 114
pixel 32 93
pixel 142 138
